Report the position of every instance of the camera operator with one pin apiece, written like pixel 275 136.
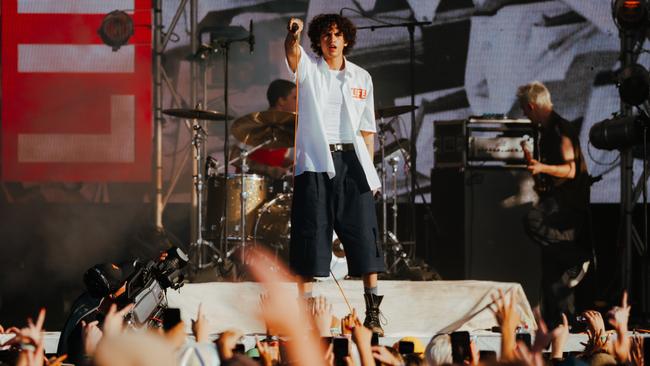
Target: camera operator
pixel 136 289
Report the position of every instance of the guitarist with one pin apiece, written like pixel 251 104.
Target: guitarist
pixel 558 222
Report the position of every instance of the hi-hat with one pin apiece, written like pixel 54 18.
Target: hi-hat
pixel 202 114
pixel 393 111
pixel 258 127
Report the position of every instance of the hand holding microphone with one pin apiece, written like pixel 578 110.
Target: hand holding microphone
pixel 295 27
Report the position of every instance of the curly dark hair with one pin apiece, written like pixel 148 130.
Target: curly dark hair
pixel 321 24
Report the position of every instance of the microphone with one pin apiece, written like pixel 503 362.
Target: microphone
pixel 294 27
pixel 251 37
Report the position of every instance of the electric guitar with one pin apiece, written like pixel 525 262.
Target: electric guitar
pixel 542 184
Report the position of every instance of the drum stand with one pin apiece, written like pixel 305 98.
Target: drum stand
pixel 198 247
pixel 243 196
pixel 389 239
pixel 396 248
pixel 382 169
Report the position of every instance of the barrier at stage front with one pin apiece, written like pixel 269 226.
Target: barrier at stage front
pixel 411 308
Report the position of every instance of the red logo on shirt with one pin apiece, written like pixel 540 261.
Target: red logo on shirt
pixel 359 93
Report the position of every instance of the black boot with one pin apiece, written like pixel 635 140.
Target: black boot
pixel 372 313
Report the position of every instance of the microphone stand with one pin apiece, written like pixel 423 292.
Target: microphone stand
pixel 224 44
pixel 410 26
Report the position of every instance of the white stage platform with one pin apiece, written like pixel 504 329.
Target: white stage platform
pixel 419 309
pixel 411 308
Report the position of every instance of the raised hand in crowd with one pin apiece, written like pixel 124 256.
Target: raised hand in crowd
pixel 321 311
pixel 619 316
pixel 200 327
pixel 176 336
pixel 226 343
pixel 526 356
pixel 636 351
pixel 386 357
pixel 90 336
pixel 56 361
pixel 362 337
pixel 508 319
pixel 349 322
pixel 269 352
pixel 475 354
pixel 114 320
pixel 598 338
pixel 595 323
pixel 30 341
pixel 134 348
pixel 559 339
pixel 277 313
pixel 556 338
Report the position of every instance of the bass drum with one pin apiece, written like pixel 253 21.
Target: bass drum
pixel 273 230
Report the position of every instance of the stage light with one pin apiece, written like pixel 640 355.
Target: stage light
pixel 631 14
pixel 116 29
pixel 618 132
pixel 634 84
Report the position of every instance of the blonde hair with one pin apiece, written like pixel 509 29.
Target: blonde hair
pixel 535 93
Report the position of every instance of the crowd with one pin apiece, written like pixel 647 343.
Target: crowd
pixel 305 332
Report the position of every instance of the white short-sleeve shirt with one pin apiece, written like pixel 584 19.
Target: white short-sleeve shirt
pixel 312 148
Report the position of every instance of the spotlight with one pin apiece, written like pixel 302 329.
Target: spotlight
pixel 631 14
pixel 634 84
pixel 116 29
pixel 618 132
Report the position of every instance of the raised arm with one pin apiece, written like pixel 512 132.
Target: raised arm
pixel 291 43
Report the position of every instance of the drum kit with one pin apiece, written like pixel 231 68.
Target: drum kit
pixel 243 210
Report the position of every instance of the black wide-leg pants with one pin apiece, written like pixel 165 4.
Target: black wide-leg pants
pixel 343 203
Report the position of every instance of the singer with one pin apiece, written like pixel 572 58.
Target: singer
pixel 335 179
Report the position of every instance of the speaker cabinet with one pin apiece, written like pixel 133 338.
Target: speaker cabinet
pixel 479 231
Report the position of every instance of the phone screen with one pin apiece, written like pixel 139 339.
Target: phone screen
pixel 171 317
pixel 340 345
pixel 405 347
pixel 524 337
pixel 240 348
pixel 460 351
pixel 374 341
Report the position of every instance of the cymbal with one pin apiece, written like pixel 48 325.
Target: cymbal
pixel 393 111
pixel 258 127
pixel 202 114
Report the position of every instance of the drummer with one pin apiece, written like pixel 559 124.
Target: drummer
pixel 276 163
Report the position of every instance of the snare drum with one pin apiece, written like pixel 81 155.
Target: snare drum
pixel 256 192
